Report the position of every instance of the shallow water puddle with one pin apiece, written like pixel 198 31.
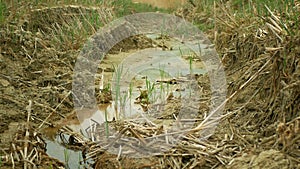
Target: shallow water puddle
pixel 143 78
pixel 69 157
pixel 141 84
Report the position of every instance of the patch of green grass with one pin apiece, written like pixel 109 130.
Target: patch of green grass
pixel 205 5
pixel 0 160
pixel 151 97
pixel 204 26
pixel 51 165
pixel 3 12
pixel 71 34
pixel 127 7
pixel 107 88
pixel 247 7
pixel 243 8
pixel 121 97
pixel 68 2
pixel 75 29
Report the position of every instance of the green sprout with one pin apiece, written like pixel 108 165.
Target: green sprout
pixel 191 64
pixel 51 165
pixel 106 124
pixel 123 101
pixel 67 156
pixel 162 77
pixel 130 95
pixel 0 161
pixel 79 159
pixel 118 72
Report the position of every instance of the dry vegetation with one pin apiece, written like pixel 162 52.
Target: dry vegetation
pixel 259 47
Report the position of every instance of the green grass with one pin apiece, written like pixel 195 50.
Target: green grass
pixel 130 90
pixel 130 95
pixel 75 29
pixel 243 6
pixel 74 32
pixel 150 91
pixel 106 124
pixel 123 100
pixel 79 159
pixel 0 160
pixel 191 63
pixel 51 165
pixel 127 7
pixel 107 88
pixel 121 97
pixel 66 156
pixel 243 9
pixel 116 85
pixel 162 77
pixel 3 12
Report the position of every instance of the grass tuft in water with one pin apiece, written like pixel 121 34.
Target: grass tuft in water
pixel 151 97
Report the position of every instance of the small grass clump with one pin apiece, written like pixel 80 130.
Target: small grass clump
pixel 151 93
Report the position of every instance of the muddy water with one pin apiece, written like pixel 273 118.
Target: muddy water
pixel 69 157
pixel 138 70
pixel 163 3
